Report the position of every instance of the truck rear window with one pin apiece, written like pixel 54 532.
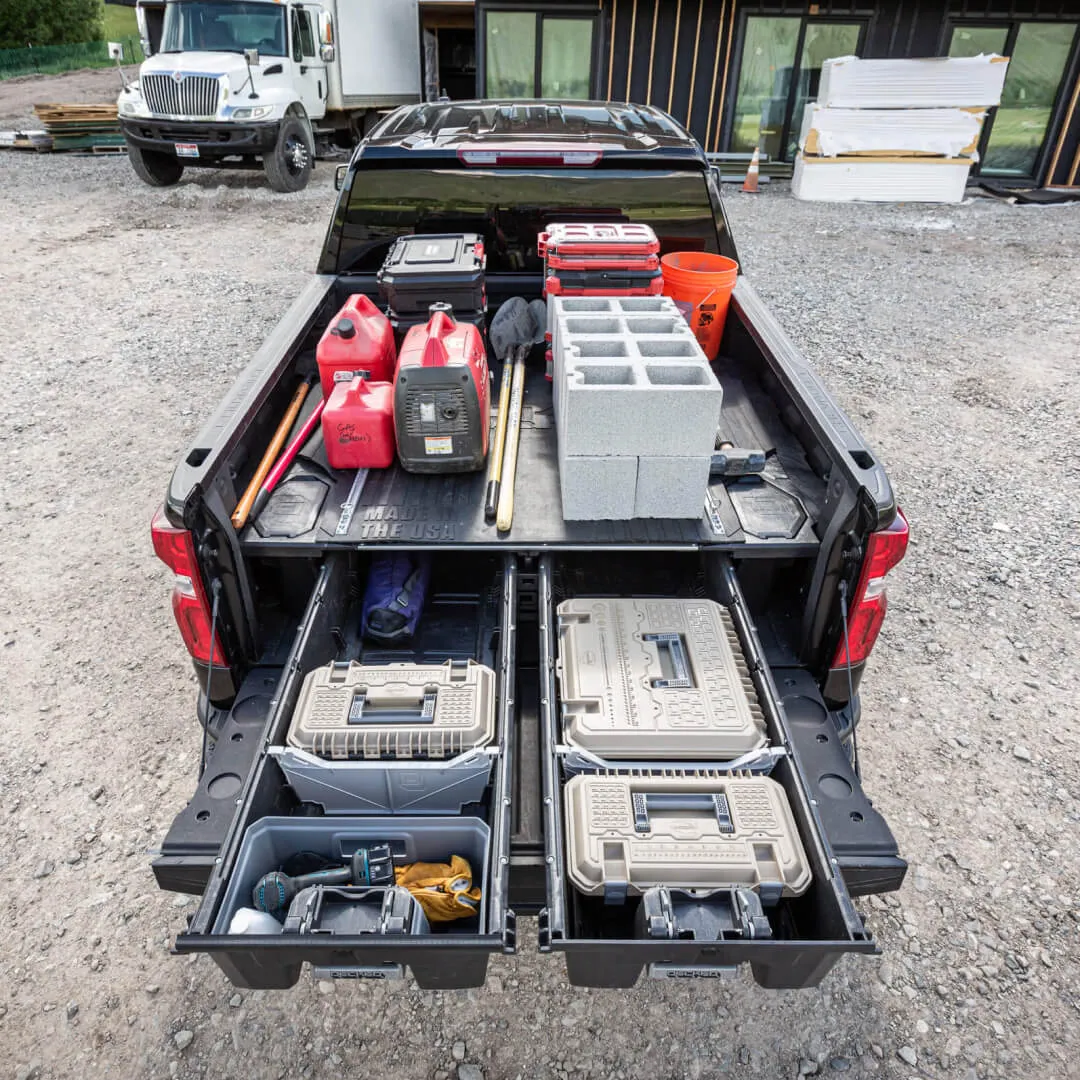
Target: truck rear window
pixel 509 207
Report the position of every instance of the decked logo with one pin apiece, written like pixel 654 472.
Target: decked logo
pixel 178 76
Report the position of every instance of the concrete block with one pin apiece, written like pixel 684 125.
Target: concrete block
pixel 671 487
pixel 606 309
pixel 639 401
pixel 597 488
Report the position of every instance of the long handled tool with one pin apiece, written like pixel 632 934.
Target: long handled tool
pixel 247 500
pixel 273 478
pixel 505 517
pixel 495 457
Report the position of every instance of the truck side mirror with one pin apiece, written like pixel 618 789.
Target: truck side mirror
pixel 252 57
pixel 326 52
pixel 339 176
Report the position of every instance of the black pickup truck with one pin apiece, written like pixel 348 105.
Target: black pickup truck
pixel 796 554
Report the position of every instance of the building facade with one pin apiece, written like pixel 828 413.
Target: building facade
pixel 738 73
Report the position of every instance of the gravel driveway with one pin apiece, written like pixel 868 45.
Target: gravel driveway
pixel 949 334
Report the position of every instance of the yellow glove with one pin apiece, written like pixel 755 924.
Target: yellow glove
pixel 445 892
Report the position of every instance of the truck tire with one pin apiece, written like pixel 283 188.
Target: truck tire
pixel 154 168
pixel 288 165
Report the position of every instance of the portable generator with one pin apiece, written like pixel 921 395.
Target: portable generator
pixel 442 397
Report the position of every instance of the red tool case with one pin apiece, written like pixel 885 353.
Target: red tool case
pixel 616 239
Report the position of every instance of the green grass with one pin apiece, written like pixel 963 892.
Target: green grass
pixel 119 23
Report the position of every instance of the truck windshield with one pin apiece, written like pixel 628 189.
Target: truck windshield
pixel 196 26
pixel 509 208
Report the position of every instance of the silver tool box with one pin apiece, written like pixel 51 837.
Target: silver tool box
pixel 630 833
pixel 655 679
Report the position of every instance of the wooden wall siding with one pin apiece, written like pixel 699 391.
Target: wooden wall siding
pixel 682 55
pixel 680 68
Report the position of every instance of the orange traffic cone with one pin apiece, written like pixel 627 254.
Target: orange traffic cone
pixel 751 181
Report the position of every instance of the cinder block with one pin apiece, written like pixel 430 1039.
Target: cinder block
pixel 633 404
pixel 604 310
pixel 671 487
pixel 597 488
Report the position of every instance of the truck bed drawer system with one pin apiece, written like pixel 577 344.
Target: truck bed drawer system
pixel 686 824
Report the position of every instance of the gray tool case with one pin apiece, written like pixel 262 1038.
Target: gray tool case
pixel 392 738
pixel 630 833
pixel 655 679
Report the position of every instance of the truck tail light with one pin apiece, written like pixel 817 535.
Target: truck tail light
pixel 176 549
pixel 526 156
pixel 866 612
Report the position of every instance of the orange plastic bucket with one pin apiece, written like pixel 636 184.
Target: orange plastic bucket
pixel 701 285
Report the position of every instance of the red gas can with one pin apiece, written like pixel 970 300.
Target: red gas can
pixel 442 397
pixel 359 340
pixel 358 425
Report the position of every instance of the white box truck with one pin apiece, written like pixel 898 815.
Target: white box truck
pixel 264 83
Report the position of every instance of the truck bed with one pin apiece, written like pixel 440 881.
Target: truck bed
pixel 772 401
pixel 762 547
pixel 770 515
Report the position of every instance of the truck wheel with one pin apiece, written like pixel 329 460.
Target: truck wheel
pixel 288 166
pixel 154 168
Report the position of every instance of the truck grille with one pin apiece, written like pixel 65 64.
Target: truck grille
pixel 194 96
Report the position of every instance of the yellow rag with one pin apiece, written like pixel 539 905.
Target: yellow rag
pixel 445 892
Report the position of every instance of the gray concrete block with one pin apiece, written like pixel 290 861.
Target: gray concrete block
pixel 671 487
pixel 636 401
pixel 597 488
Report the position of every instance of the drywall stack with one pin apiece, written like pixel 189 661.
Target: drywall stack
pixel 895 130
pixel 636 409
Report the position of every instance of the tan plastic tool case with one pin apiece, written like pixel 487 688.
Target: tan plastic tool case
pixel 399 712
pixel 629 833
pixel 655 679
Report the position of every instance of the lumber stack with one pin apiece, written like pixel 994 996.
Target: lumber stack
pixel 80 127
pixel 895 130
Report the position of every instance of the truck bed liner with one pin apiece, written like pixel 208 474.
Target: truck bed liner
pixel 763 517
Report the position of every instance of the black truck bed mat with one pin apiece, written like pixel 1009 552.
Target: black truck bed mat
pixel 761 516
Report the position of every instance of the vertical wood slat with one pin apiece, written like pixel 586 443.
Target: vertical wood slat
pixel 716 67
pixel 693 67
pixel 724 77
pixel 674 53
pixel 611 47
pixel 630 62
pixel 652 51
pixel 1063 135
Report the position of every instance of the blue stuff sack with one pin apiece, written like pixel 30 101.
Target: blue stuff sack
pixel 394 597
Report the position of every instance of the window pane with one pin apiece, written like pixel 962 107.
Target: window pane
pixel 511 54
pixel 307 37
pixel 975 40
pixel 567 58
pixel 764 79
pixel 1031 87
pixel 822 41
pixel 509 208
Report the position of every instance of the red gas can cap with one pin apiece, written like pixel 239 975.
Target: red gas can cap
pixel 345 329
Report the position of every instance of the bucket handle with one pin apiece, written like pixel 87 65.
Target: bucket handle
pixel 706 298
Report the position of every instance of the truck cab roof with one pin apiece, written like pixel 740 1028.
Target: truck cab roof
pixel 613 134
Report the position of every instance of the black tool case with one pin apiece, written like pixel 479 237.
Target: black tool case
pixel 452 955
pixel 422 270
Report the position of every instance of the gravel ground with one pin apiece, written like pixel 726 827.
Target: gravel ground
pixel 950 335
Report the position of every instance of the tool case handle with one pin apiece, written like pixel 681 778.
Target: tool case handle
pixel 645 802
